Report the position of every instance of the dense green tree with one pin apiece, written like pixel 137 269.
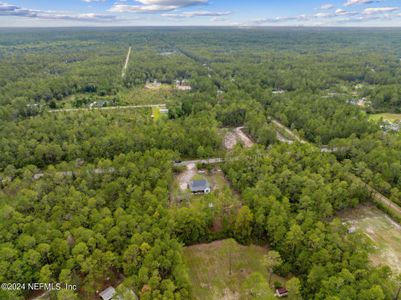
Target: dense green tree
pixel 243 225
pixel 271 261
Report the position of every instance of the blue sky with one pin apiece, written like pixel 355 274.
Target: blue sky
pixel 43 13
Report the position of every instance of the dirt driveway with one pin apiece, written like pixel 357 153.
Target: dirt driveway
pixel 186 176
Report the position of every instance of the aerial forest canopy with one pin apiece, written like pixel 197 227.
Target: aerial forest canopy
pixel 96 160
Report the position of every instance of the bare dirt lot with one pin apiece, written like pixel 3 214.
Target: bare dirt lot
pixel 235 136
pixel 383 231
pixel 185 177
pixel 245 140
pixel 230 140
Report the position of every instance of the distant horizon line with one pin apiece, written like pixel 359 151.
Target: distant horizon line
pixel 198 26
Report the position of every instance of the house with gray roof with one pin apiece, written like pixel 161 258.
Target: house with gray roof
pixel 111 294
pixel 108 293
pixel 201 186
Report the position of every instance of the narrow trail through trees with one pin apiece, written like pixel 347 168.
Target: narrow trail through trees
pixel 124 71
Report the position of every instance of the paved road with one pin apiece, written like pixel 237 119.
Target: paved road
pixel 124 71
pixel 208 161
pixel 106 108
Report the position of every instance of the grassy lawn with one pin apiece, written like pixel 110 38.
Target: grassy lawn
pixel 384 233
pixel 156 113
pixel 140 95
pixel 209 267
pixel 386 117
pixel 134 96
pixel 220 195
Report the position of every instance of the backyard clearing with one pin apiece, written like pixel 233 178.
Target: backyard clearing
pixel 209 268
pixel 383 231
pixel 386 117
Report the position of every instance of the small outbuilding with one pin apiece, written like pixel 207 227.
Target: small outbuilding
pixel 199 186
pixel 108 293
pixel 111 294
pixel 281 292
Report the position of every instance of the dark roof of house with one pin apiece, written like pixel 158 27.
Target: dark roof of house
pixel 282 291
pixel 198 185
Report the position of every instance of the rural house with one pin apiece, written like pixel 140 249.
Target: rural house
pixel 110 294
pixel 199 186
pixel 281 292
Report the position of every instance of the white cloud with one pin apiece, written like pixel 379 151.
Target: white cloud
pixel 342 12
pixel 279 20
pixel 323 15
pixel 154 6
pixel 17 11
pixel 379 10
pixel 192 14
pixel 354 2
pixel 327 6
pixel 339 16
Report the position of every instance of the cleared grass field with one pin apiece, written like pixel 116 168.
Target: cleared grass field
pixel 209 269
pixel 216 179
pixel 383 231
pixel 140 95
pixel 386 117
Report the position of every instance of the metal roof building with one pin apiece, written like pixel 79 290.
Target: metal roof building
pixel 200 186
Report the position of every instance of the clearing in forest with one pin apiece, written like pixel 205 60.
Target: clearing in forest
pixel 383 231
pixel 386 117
pixel 209 269
pixel 220 187
pixel 235 136
pixel 140 95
